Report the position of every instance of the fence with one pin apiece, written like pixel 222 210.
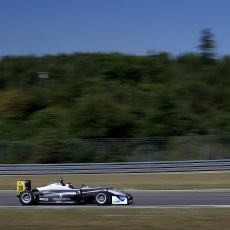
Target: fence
pixel 116 150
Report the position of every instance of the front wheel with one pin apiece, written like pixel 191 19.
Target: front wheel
pixel 102 198
pixel 26 198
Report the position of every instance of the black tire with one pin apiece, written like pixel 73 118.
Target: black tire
pixel 102 198
pixel 27 198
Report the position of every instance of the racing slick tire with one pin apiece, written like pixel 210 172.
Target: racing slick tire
pixel 26 198
pixel 102 198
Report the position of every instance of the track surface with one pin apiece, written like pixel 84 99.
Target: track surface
pixel 151 198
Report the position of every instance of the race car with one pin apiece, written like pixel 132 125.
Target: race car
pixel 60 193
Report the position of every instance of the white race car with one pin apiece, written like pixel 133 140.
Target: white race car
pixel 62 194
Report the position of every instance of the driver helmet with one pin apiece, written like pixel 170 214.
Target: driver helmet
pixel 60 181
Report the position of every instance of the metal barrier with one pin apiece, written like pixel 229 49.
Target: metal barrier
pixel 105 168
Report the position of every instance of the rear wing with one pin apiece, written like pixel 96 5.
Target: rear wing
pixel 23 185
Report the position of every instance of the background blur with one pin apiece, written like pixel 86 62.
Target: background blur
pixel 102 107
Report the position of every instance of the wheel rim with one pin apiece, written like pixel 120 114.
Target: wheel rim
pixel 101 198
pixel 26 198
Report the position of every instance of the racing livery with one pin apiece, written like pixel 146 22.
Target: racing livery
pixel 62 194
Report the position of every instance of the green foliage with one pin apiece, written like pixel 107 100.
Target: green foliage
pixel 14 104
pixel 51 151
pixel 48 120
pixel 195 148
pixel 100 116
pixel 96 95
pixel 17 152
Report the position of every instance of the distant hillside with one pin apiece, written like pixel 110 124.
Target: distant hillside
pixel 98 95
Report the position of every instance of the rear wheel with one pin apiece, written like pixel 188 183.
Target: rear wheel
pixel 102 198
pixel 26 198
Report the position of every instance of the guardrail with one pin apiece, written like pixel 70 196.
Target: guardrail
pixel 105 168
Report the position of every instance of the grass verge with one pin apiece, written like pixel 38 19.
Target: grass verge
pixel 199 180
pixel 114 218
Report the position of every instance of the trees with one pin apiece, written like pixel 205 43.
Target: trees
pixel 14 104
pixel 115 95
pixel 207 45
pixel 100 115
pixel 97 96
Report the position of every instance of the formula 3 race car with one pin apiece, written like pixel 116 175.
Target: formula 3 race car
pixel 57 193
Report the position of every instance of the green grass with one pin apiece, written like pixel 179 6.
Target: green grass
pixel 201 180
pixel 114 218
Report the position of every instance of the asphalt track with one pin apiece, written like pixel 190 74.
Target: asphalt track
pixel 151 199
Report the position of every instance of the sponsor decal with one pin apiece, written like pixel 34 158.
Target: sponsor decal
pixel 61 199
pixel 43 199
pixel 120 200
